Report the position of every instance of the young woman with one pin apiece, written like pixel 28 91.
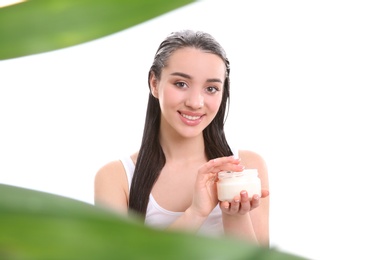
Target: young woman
pixel 171 180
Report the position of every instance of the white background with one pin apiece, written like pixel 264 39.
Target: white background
pixel 309 81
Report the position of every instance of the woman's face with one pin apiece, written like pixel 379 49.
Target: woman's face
pixel 189 91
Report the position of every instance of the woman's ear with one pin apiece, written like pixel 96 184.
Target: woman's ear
pixel 153 85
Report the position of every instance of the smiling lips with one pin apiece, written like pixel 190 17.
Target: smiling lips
pixel 190 118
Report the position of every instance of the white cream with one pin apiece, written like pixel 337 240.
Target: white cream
pixel 230 184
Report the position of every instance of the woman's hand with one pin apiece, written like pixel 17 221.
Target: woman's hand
pixel 205 196
pixel 242 204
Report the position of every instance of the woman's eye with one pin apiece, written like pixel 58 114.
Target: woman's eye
pixel 180 84
pixel 212 89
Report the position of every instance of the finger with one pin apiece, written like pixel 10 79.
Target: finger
pixel 235 205
pixel 255 201
pixel 219 164
pixel 264 193
pixel 224 164
pixel 225 206
pixel 245 203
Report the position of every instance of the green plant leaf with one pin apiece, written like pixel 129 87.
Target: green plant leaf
pixel 39 26
pixel 38 225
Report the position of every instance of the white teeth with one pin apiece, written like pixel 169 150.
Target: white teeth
pixel 191 117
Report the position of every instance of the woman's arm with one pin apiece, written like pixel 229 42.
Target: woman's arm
pixel 249 220
pixel 111 187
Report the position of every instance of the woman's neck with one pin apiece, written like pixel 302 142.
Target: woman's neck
pixel 183 149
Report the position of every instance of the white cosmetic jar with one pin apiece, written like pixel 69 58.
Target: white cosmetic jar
pixel 230 184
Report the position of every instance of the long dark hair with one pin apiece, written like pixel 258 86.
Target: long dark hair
pixel 151 158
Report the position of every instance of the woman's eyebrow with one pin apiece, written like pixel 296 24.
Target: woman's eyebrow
pixel 181 75
pixel 189 77
pixel 214 80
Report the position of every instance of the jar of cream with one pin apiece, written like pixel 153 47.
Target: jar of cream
pixel 230 184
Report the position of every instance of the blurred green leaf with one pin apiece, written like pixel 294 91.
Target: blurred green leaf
pixel 38 225
pixel 39 26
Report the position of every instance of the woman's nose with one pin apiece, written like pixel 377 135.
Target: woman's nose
pixel 195 101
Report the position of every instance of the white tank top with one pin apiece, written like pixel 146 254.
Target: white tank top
pixel 158 217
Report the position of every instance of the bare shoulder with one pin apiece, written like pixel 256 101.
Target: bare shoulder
pixel 111 170
pixel 253 160
pixel 111 186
